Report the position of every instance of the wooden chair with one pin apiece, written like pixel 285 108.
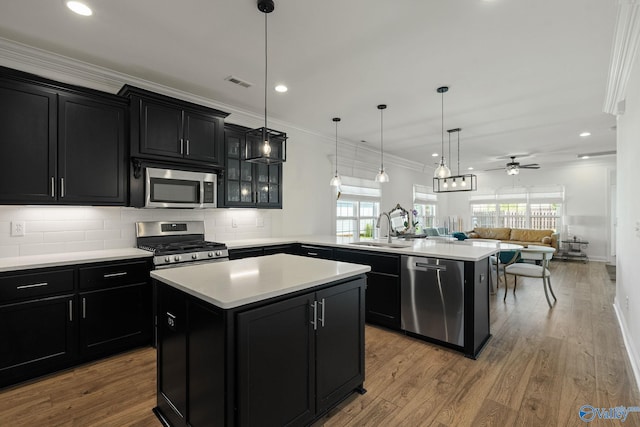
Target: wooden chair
pixel 540 253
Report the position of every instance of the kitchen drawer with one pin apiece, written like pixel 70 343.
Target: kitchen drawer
pixel 316 251
pixel 110 275
pixel 35 284
pixel 379 263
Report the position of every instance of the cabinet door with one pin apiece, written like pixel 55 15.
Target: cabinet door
pixel 238 191
pixel 115 319
pixel 37 337
pixel 268 188
pixel 340 342
pixel 245 253
pixel 276 373
pixel 91 153
pixel 383 299
pixel 161 129
pixel 202 135
pixel 28 133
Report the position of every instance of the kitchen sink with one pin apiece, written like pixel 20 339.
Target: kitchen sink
pixel 382 244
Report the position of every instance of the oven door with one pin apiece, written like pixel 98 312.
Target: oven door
pixel 170 188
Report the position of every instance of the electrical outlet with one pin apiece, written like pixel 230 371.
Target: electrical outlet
pixel 17 228
pixel 234 223
pixel 626 303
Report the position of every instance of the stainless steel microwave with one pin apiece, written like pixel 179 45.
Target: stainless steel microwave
pixel 171 188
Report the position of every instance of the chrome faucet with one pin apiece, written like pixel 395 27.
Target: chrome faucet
pixel 388 223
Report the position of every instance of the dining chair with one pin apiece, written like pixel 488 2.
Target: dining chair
pixel 501 261
pixel 541 271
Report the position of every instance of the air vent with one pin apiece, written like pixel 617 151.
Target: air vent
pixel 239 82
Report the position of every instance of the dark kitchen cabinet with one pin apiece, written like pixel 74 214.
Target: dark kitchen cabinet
pixel 383 285
pixel 39 321
pixel 63 144
pixel 248 184
pixel 115 307
pixel 245 253
pixel 238 253
pixel 169 129
pixel 54 318
pixel 278 362
pixel 316 251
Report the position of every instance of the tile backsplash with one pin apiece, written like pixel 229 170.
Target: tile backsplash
pixel 54 229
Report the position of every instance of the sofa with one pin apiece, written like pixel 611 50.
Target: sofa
pixel 518 236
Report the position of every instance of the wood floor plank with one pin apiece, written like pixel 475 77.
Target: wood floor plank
pixel 539 367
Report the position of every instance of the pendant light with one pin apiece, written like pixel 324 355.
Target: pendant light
pixel 465 182
pixel 442 171
pixel 264 145
pixel 336 181
pixel 382 175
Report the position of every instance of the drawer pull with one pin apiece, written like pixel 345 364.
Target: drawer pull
pixel 35 285
pixel 109 275
pixel 312 253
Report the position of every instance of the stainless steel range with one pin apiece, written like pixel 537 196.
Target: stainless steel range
pixel 178 243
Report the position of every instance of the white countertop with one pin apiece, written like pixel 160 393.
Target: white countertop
pixel 69 258
pixel 468 250
pixel 235 283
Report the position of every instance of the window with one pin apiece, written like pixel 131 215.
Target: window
pixel 357 208
pixel 533 207
pixel 425 202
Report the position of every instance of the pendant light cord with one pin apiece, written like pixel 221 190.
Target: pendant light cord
pixel 458 152
pixel 442 127
pixel 336 147
pixel 381 146
pixel 265 77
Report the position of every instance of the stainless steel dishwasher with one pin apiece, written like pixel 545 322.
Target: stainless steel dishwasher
pixel 432 298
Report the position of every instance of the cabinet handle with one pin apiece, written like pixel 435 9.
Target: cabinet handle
pixel 314 322
pixel 321 318
pixel 34 285
pixel 70 310
pixel 181 146
pixel 84 308
pixel 312 253
pixel 187 147
pixel 61 187
pixel 109 275
pixel 53 187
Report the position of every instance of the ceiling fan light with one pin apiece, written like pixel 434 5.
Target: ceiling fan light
pixel 512 170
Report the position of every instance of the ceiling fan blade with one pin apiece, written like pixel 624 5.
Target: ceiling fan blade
pixel 494 169
pixel 531 166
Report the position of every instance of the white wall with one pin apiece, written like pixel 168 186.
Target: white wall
pixel 628 222
pixel 587 198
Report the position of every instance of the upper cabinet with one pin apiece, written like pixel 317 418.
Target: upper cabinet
pixel 168 129
pixel 246 184
pixel 61 144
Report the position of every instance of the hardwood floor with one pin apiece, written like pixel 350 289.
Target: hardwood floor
pixel 539 368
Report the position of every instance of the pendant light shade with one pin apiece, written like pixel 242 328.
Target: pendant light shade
pixel 264 145
pixel 382 176
pixel 442 171
pixel 336 181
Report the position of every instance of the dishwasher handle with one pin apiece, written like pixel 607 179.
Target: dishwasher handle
pixel 425 267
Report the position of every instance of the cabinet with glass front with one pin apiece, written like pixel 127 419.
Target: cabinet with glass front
pixel 247 184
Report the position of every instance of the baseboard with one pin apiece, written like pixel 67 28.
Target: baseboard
pixel 628 344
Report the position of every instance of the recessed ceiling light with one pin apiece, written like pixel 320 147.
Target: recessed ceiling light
pixel 435 155
pixel 281 88
pixel 79 8
pixel 470 168
pixel 583 134
pixel 584 157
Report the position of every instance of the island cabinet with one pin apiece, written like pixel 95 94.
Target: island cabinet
pixel 63 144
pixel 284 361
pixel 383 284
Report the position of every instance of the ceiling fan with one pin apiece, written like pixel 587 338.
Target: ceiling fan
pixel 513 167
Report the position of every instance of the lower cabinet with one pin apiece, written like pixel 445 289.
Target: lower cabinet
pixel 383 284
pixel 37 337
pixel 323 252
pixel 54 318
pixel 274 363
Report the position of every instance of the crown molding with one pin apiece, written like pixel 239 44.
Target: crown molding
pixel 68 70
pixel 623 52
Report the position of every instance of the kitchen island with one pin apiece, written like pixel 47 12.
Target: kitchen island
pixel 272 340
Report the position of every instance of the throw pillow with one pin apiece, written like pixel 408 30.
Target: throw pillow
pixel 459 236
pixel 473 235
pixel 546 240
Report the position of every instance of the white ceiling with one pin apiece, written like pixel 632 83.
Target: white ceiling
pixel 525 77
